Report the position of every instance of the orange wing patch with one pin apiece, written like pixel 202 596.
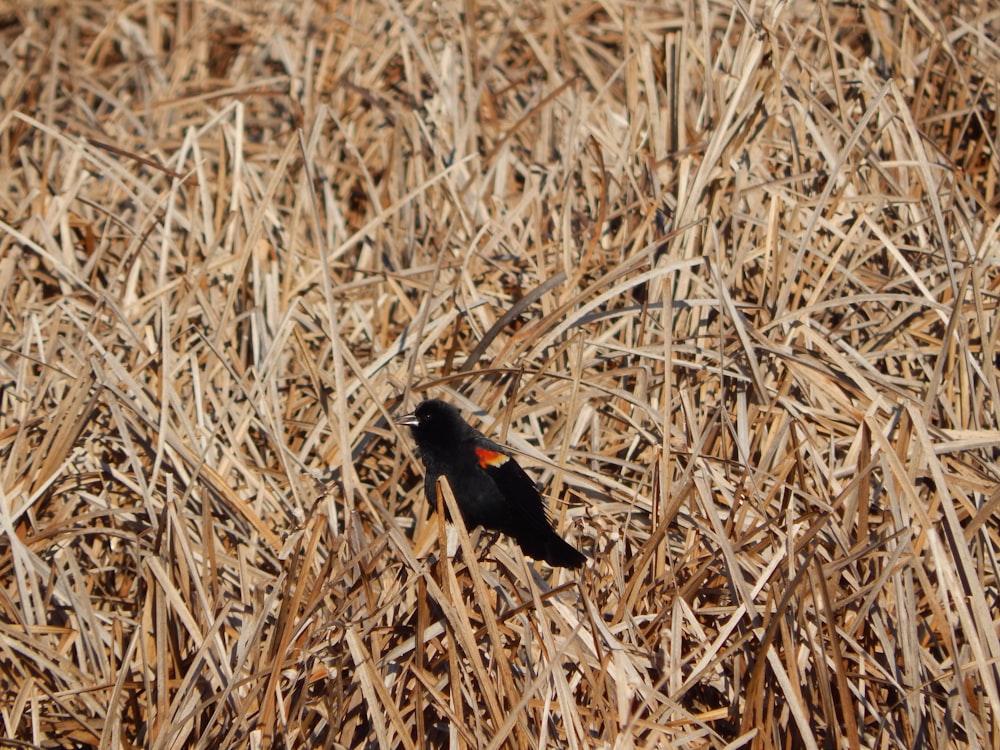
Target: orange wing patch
pixel 491 458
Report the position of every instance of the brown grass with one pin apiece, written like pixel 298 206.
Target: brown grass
pixel 731 288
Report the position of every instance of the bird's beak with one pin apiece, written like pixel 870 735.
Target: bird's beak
pixel 408 419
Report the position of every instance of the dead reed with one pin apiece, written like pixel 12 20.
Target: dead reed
pixel 726 274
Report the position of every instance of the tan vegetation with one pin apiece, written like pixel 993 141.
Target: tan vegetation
pixel 726 274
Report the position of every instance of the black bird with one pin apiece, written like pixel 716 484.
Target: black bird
pixel 490 488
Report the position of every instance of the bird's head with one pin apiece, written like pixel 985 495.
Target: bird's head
pixel 435 423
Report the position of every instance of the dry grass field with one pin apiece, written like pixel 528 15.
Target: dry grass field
pixel 725 274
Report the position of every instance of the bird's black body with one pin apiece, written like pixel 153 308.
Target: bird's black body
pixel 490 488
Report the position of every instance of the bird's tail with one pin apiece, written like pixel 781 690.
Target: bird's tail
pixel 552 549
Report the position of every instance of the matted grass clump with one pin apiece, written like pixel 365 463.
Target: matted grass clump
pixel 725 275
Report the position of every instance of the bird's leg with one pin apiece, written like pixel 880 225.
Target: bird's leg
pixel 489 545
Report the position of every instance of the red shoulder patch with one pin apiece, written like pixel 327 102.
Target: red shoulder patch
pixel 489 458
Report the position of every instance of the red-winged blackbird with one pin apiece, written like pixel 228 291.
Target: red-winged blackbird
pixel 490 488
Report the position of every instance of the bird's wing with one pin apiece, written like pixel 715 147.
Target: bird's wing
pixel 514 484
